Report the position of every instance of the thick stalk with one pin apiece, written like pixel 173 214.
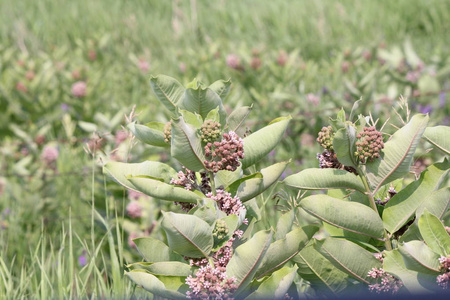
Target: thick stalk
pixel 387 242
pixel 212 183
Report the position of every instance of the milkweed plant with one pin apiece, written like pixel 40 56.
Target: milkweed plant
pixel 367 231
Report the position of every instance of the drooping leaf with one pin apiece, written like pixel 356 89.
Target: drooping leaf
pixel 258 144
pixel 344 145
pixel 121 171
pixel 221 88
pixel 438 136
pixel 163 191
pixel 151 133
pixel 434 233
pixel 237 117
pixel 284 224
pixel 252 187
pixel 437 203
pixel 320 272
pixel 153 250
pixel 413 281
pixel 188 235
pixel 276 286
pixel 202 101
pixel 281 251
pixel 350 216
pixel 152 284
pixel 168 91
pixel 419 257
pixel 403 205
pixel 398 153
pixel 186 146
pixel 247 258
pixel 348 257
pixel 320 179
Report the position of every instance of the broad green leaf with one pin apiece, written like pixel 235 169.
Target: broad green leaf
pixel 186 146
pixel 260 143
pixel 233 223
pixel 350 216
pixel 170 268
pixel 419 257
pixel 168 91
pixel 253 209
pixel 348 257
pixel 344 145
pixel 152 284
pixel 339 232
pixel 121 172
pixel 221 88
pixel 207 211
pixel 276 286
pixel 413 281
pixel 437 203
pixel 163 191
pixel 281 251
pixel 398 153
pixel 151 133
pixel 237 117
pixel 226 178
pixel 438 136
pixel 320 179
pixel 255 186
pixel 153 250
pixel 412 233
pixel 235 185
pixel 403 205
pixel 188 235
pixel 192 119
pixel 284 224
pixel 202 101
pixel 247 258
pixel 320 272
pixel 213 115
pixel 434 233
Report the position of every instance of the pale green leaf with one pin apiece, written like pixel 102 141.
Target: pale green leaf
pixel 202 101
pixel 151 133
pixel 221 88
pixel 153 250
pixel 170 268
pixel 419 257
pixel 439 137
pixel 350 216
pixel 237 117
pixel 398 153
pixel 285 224
pixel 168 91
pixel 437 203
pixel 276 286
pixel 225 178
pixel 434 233
pixel 152 284
pixel 344 145
pixel 192 119
pixel 320 179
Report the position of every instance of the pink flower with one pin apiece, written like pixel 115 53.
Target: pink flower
pixel 144 65
pixel 121 136
pixel 282 58
pixel 21 87
pixel 234 62
pixel 133 195
pixel 313 99
pixel 134 209
pixel 79 89
pixel 49 154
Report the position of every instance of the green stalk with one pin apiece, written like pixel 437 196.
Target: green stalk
pixel 212 183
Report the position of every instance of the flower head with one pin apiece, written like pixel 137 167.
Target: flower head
pixel 79 89
pixel 211 283
pixel 386 283
pixel 49 154
pixel 134 209
pixel 224 155
pixel 369 144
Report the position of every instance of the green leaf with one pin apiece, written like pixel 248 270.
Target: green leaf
pixel 192 119
pixel 186 146
pixel 350 216
pixel 120 172
pixel 428 84
pixel 163 191
pixel 276 286
pixel 235 185
pixel 419 257
pixel 237 117
pixel 221 88
pixel 188 235
pixel 403 205
pixel 232 224
pixel 398 153
pixel 152 284
pixel 153 250
pixel 247 258
pixel 284 224
pixel 252 187
pixel 320 179
pixel 151 133
pixel 348 257
pixel 320 272
pixel 281 251
pixel 170 268
pixel 434 233
pixel 202 101
pixel 225 178
pixel 260 143
pixel 344 145
pixel 413 281
pixel 207 211
pixel 437 203
pixel 168 91
pixel 214 115
pixel 438 136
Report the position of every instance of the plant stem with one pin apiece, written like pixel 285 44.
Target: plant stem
pixel 212 183
pixel 387 242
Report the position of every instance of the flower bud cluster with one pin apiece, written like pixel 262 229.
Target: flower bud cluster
pixel 369 144
pixel 328 159
pixel 443 280
pixel 386 284
pixel 325 138
pixel 210 131
pixel 168 132
pixel 391 193
pixel 211 283
pixel 220 230
pixel 224 155
pixel 227 204
pixel 188 180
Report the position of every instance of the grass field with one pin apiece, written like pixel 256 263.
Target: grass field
pixel 64 229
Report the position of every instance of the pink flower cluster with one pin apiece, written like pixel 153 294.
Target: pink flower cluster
pixel 226 203
pixel 49 154
pixel 134 209
pixel 79 89
pixel 386 284
pixel 211 283
pixel 224 155
pixel 443 280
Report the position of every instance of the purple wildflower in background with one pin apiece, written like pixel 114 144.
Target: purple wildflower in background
pixel 82 259
pixel 65 107
pixel 313 99
pixel 442 99
pixel 425 109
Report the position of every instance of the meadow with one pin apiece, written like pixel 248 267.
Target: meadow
pixel 73 74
